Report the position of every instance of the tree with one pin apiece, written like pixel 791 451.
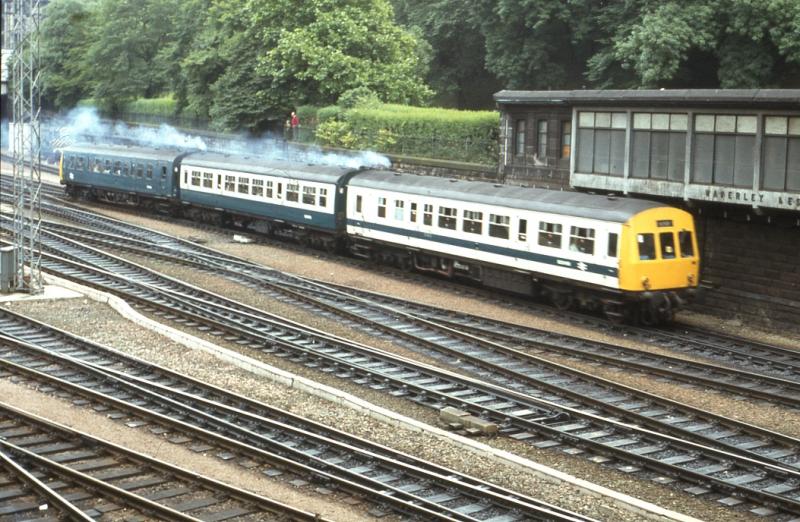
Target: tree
pixel 124 56
pixel 67 29
pixel 256 59
pixel 457 72
pixel 700 43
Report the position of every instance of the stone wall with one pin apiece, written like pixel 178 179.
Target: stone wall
pixel 754 271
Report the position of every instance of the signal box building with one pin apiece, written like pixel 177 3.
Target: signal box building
pixel 731 157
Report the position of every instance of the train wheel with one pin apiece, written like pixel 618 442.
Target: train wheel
pixel 648 315
pixel 562 300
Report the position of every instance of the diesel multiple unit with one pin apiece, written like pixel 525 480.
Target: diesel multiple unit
pixel 633 259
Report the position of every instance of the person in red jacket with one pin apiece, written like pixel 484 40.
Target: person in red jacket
pixel 294 123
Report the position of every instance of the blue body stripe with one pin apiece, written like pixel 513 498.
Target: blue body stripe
pixel 319 220
pixel 492 249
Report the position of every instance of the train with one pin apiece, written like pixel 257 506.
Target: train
pixel 631 259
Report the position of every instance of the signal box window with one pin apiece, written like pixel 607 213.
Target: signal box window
pixel 323 197
pixel 647 246
pixel 309 195
pixel 685 241
pixel 550 234
pixel 498 226
pixel 519 144
pixel 427 215
pixel 473 222
pixel 208 180
pixel 413 215
pixel 447 218
pixel 257 188
pixel 523 230
pixel 541 139
pixel 382 207
pixel 398 209
pixel 612 245
pixel 581 240
pixel 293 192
pixel 566 138
pixel 667 240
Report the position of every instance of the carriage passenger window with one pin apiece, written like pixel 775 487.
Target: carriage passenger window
pixel 550 234
pixel 139 171
pixel 125 169
pixel 117 168
pixel 382 207
pixel 581 240
pixel 523 230
pixel 230 183
pixel 208 180
pixel 309 195
pixel 98 167
pixel 359 202
pixel 399 205
pixel 269 189
pixel 196 178
pixel 323 197
pixel 685 241
pixel 244 185
pixel 667 240
pixel 258 187
pixel 447 217
pixel 413 213
pixel 149 172
pixel 427 215
pixel 499 225
pixel 81 163
pixel 647 246
pixel 107 167
pixel 292 192
pixel 473 222
pixel 612 244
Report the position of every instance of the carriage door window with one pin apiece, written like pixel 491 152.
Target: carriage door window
pixel 427 215
pixel 382 207
pixel 358 204
pixel 413 213
pixel 647 246
pixel 612 244
pixel 163 172
pixel 667 240
pixel 685 240
pixel 280 190
pixel 523 230
pixel 185 175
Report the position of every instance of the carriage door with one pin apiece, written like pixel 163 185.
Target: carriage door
pixel 522 235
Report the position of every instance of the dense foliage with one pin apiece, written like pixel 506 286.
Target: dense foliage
pixel 243 63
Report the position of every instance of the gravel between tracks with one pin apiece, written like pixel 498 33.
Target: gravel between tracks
pixel 103 325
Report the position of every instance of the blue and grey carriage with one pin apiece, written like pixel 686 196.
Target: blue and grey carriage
pixel 119 174
pixel 303 201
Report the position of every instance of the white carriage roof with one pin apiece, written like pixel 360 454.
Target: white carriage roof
pixel 614 209
pixel 270 167
pixel 123 151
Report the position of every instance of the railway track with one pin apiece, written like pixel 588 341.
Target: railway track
pixel 86 478
pixel 719 471
pixel 196 414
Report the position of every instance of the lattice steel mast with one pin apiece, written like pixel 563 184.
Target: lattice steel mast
pixel 26 102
